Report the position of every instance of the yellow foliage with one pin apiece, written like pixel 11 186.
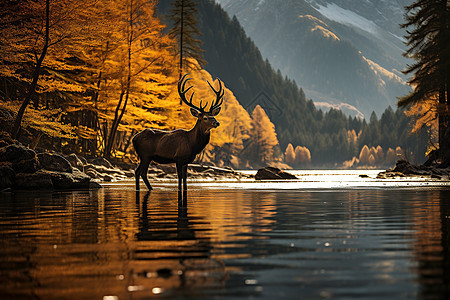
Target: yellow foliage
pixel 235 122
pixel 263 134
pixel 302 155
pixel 289 154
pixel 352 137
pixel 46 121
pixel 391 156
pixel 364 155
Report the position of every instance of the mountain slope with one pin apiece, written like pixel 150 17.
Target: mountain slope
pixel 337 55
pixel 234 58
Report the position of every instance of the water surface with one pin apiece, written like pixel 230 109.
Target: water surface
pixel 242 241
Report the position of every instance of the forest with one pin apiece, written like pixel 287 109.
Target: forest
pixel 85 76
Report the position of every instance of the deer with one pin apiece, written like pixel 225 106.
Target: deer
pixel 178 146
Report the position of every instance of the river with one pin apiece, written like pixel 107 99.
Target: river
pixel 329 235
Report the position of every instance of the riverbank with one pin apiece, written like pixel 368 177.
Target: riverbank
pixel 24 168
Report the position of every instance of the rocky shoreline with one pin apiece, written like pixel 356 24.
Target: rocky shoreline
pixel 404 168
pixel 22 168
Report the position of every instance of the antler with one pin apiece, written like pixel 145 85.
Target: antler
pixel 182 92
pixel 219 96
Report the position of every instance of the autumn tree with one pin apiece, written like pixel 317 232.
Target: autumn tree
pixel 428 24
pixel 263 136
pixel 302 155
pixel 34 34
pixel 136 66
pixel 186 32
pixel 289 154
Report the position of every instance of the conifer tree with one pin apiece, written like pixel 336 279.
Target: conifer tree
pixel 186 32
pixel 429 46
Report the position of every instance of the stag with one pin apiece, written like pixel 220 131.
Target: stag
pixel 178 146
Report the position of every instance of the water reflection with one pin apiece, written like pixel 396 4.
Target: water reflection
pixel 118 244
pixel 432 244
pixel 168 250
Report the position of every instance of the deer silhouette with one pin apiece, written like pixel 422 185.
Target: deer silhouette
pixel 178 146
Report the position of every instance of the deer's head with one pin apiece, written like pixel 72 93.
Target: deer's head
pixel 206 118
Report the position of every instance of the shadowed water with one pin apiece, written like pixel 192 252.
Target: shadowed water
pixel 110 244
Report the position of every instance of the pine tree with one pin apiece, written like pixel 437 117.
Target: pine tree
pixel 429 46
pixel 186 32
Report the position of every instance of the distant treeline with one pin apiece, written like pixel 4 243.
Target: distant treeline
pixel 233 57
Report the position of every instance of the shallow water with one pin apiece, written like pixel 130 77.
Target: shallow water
pixel 244 240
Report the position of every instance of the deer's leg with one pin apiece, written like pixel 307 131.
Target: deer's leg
pixel 180 175
pixel 180 178
pixel 185 177
pixel 143 172
pixel 137 174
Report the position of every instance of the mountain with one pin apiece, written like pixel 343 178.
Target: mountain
pixel 234 58
pixel 344 54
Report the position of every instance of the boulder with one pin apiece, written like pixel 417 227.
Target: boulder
pixel 74 180
pixel 36 181
pixel 404 168
pixel 15 152
pixel 54 162
pixel 167 168
pixel 23 160
pixel 75 161
pixel 211 169
pixel 7 175
pixel 95 185
pixel 5 139
pixel 273 173
pixel 45 179
pixel 100 161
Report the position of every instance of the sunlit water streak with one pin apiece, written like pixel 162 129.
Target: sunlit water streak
pixel 325 236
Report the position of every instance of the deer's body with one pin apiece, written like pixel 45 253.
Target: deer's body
pixel 178 146
pixel 166 147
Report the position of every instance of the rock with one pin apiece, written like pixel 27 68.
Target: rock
pixel 111 171
pixel 14 152
pixel 95 185
pixel 45 179
pixel 129 173
pixel 389 174
pixel 23 160
pixel 273 173
pixel 100 161
pixel 5 139
pixel 364 176
pixel 75 161
pixel 7 175
pixel 436 176
pixel 75 180
pixel 36 181
pixel 107 177
pixel 168 168
pixel 406 168
pixel 83 160
pixel 54 162
pixel 214 170
pixel 92 173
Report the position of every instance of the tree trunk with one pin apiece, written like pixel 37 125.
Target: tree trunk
pixel 117 116
pixel 32 89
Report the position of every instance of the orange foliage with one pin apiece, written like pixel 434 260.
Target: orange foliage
pixel 302 155
pixel 289 154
